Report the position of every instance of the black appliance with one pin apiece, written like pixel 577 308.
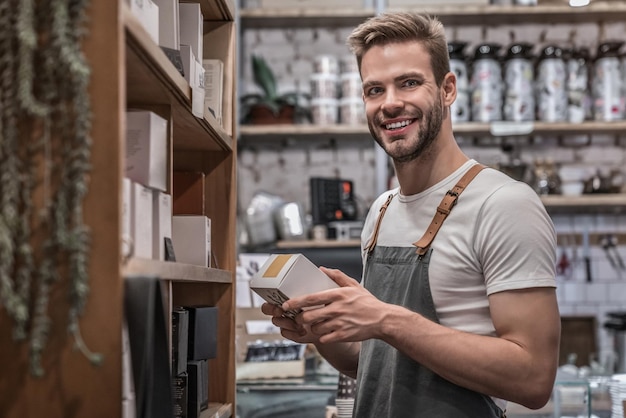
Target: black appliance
pixel 332 200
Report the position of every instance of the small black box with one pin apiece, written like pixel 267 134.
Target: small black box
pixel 202 332
pixel 197 387
pixel 180 340
pixel 180 394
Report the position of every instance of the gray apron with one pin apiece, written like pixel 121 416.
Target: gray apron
pixel 390 384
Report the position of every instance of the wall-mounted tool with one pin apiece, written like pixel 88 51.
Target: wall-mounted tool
pixel 609 244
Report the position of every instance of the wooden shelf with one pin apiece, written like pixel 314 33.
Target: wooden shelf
pixel 309 132
pixel 178 272
pixel 216 9
pixel 319 243
pixel 217 410
pixel 284 18
pixel 468 15
pixel 151 79
pixel 587 203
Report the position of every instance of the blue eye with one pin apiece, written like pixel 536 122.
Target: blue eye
pixel 374 91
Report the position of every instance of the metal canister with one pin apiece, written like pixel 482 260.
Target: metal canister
pixel 608 101
pixel 578 97
pixel 519 77
pixel 486 84
pixel 550 85
pixel 460 109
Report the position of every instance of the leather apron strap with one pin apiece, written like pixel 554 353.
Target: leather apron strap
pixel 444 208
pixel 372 243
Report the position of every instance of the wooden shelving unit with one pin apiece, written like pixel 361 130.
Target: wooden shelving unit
pixel 129 70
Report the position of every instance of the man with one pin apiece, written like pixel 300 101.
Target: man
pixel 457 312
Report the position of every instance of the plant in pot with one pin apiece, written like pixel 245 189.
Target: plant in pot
pixel 270 107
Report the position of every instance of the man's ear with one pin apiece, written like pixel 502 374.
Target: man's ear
pixel 448 89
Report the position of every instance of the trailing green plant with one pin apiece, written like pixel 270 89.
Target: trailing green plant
pixel 45 153
pixel 265 79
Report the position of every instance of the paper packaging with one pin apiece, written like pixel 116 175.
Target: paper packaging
pixel 189 64
pixel 202 333
pixel 168 24
pixel 284 276
pixel 147 13
pixel 191 27
pixel 180 340
pixel 146 149
pixel 191 237
pixel 162 217
pixel 141 221
pixel 180 384
pixel 197 388
pixel 126 217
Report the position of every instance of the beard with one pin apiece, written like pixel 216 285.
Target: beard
pixel 429 127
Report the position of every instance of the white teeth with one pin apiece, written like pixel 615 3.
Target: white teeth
pixel 397 125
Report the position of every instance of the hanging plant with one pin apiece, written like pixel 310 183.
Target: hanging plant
pixel 46 113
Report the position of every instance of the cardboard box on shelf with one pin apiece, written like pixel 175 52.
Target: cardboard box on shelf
pixel 169 33
pixel 191 237
pixel 213 86
pixel 147 149
pixel 141 221
pixel 191 27
pixel 162 223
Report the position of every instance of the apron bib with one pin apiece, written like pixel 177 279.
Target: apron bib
pixel 390 384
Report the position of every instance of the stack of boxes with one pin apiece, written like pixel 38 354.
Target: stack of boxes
pixel 147 207
pixel 194 342
pixel 178 29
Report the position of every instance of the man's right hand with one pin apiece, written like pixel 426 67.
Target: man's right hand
pixel 288 327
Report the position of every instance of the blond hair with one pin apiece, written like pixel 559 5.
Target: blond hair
pixel 401 27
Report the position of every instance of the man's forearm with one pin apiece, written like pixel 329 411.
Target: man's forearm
pixel 342 356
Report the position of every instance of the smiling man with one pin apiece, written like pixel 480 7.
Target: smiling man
pixel 456 313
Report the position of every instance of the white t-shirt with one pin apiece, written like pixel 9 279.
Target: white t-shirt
pixel 498 237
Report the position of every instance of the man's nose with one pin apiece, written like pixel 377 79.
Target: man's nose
pixel 392 101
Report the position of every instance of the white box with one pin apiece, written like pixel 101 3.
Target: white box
pixel 147 12
pixel 191 236
pixel 213 87
pixel 162 221
pixel 189 66
pixel 146 149
pixel 191 27
pixel 126 216
pixel 141 220
pixel 169 34
pixel 284 276
pixel 197 92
